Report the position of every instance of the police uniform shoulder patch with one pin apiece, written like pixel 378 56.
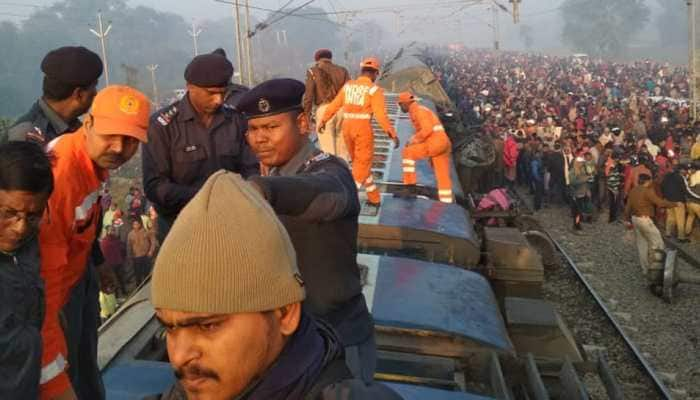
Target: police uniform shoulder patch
pixel 166 116
pixel 322 156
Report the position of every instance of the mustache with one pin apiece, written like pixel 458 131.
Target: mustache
pixel 195 372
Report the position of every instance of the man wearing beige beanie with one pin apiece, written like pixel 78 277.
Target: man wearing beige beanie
pixel 232 309
pixel 314 195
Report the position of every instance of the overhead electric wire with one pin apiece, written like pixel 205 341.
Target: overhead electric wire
pixel 284 12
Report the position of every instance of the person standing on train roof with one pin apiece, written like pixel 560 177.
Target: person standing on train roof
pixel 360 99
pixel 26 182
pixel 429 141
pixel 241 332
pixel 70 84
pixel 323 82
pixel 314 195
pixel 193 138
pixel 109 137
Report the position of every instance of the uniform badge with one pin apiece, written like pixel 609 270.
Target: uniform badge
pixel 167 116
pixel 263 105
pixel 129 105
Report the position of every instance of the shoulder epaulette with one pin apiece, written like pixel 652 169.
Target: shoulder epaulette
pixel 317 158
pixel 166 116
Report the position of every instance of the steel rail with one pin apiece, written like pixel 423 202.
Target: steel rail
pixel 658 383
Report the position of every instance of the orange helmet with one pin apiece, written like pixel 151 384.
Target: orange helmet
pixel 370 62
pixel 406 97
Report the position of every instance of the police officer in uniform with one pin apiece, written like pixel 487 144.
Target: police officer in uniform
pixel 193 138
pixel 314 195
pixel 70 85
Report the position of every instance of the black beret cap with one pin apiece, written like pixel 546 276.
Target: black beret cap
pixel 272 97
pixel 72 65
pixel 220 52
pixel 209 70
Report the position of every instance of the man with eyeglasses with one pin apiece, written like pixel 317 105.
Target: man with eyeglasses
pixel 26 182
pixel 109 137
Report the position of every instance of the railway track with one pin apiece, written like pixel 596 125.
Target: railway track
pixel 639 358
pixel 634 353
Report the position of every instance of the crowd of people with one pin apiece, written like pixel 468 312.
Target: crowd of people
pixel 584 133
pixel 255 228
pixel 128 244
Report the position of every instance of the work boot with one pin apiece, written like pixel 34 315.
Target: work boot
pixel 371 208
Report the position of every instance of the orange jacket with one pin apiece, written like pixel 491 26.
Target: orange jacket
pixel 360 99
pixel 425 122
pixel 65 240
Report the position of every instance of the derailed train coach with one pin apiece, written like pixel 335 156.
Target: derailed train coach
pixel 457 306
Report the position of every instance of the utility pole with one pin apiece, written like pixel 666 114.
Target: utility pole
pixel 102 35
pixel 194 32
pixel 239 40
pixel 692 62
pixel 494 25
pixel 249 43
pixel 153 68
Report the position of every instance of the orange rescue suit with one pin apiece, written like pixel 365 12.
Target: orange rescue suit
pixel 430 140
pixel 360 99
pixel 65 238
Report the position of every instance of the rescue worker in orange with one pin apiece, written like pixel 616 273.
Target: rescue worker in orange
pixel 430 140
pixel 108 138
pixel 360 99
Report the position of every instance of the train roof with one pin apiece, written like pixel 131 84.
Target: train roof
pixel 420 296
pixel 434 231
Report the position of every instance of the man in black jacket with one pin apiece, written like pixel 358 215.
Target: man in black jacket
pixel 235 327
pixel 193 138
pixel 673 188
pixel 554 164
pixel 315 197
pixel 26 182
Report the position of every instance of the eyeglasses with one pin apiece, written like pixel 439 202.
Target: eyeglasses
pixel 8 215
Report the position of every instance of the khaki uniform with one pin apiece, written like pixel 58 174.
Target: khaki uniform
pixel 640 208
pixel 323 82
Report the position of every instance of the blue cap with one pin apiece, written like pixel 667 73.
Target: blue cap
pixel 275 96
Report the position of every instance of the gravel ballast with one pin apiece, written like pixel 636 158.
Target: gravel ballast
pixel 667 334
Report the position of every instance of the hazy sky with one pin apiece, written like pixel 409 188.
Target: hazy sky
pixel 212 9
pixel 469 24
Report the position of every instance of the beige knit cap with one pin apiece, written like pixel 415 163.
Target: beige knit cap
pixel 226 253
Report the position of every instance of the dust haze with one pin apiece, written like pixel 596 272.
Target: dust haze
pixel 149 32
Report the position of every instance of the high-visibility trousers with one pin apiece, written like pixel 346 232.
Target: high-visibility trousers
pixel 359 141
pixel 438 148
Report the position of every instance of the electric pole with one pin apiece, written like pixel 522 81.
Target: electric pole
pixel 194 32
pixel 494 25
pixel 249 44
pixel 239 40
pixel 692 62
pixel 102 35
pixel 153 68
